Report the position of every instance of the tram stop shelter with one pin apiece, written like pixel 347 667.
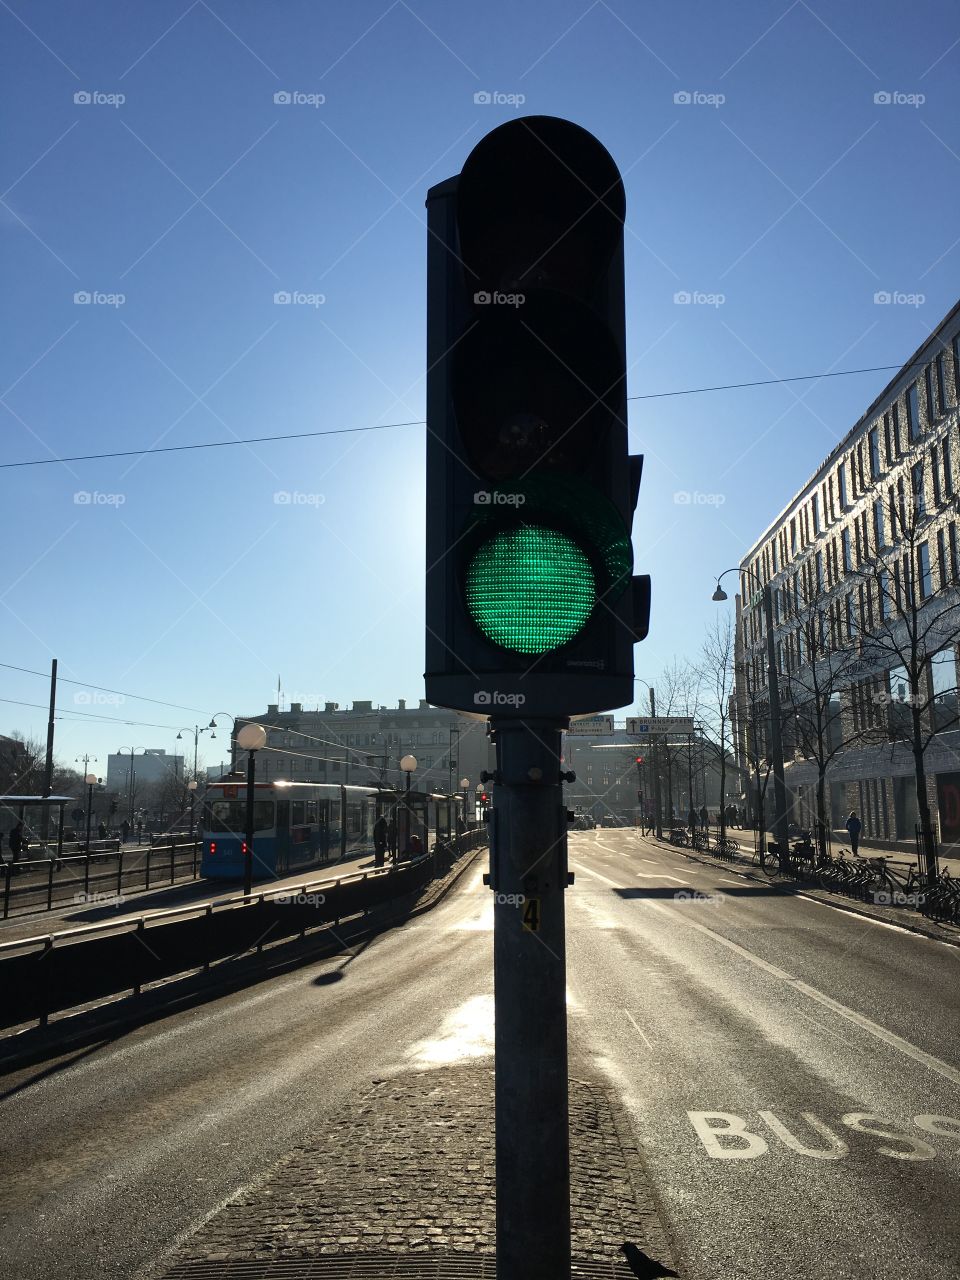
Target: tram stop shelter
pixel 18 805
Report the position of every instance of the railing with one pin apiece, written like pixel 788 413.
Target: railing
pixel 41 884
pixel 44 975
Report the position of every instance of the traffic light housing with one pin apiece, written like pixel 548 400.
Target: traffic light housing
pixel 532 607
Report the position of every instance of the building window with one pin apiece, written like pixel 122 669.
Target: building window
pixel 874 441
pixel 895 427
pixel 793 537
pixel 935 476
pixel 913 412
pixel 954 561
pixel 943 682
pixel 819 571
pixel 941 558
pixel 941 383
pixel 886 439
pixel 851 617
pixel 924 580
pixel 842 486
pixel 916 483
pixel 878 523
pixel 883 595
pixel 947 467
pixel 815 509
pixel 847 561
pixel 931 402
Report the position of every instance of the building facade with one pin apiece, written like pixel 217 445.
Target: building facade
pixel 864 570
pixel 149 767
pixel 364 744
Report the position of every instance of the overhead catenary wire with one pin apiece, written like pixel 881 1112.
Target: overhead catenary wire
pixel 418 422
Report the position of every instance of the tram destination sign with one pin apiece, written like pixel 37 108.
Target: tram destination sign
pixel 650 726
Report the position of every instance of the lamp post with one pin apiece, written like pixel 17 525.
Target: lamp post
pixel 130 777
pixel 196 731
pixel 408 764
pixel 658 814
pixel 465 787
pixel 192 788
pixel 250 739
pixel 233 739
pixel 773 688
pixel 91 780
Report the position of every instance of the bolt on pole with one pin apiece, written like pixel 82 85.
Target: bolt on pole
pixel 528 874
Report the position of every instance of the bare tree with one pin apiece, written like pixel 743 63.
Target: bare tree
pixel 716 687
pixel 823 662
pixel 906 624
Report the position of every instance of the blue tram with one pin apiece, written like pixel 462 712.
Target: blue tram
pixel 297 825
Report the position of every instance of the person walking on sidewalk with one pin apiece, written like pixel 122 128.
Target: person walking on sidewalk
pixel 854 827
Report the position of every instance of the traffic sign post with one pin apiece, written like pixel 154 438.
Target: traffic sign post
pixel 532 607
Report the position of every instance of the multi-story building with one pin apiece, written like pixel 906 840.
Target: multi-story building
pixel 150 766
pixel 864 570
pixel 365 744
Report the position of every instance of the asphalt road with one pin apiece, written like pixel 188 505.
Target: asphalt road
pixel 780 1060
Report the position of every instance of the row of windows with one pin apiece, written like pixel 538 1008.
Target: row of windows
pixel 866 462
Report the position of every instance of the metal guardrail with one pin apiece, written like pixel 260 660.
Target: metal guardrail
pixel 55 972
pixel 40 884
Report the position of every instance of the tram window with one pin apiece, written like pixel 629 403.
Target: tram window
pixel 311 811
pixel 298 813
pixel 231 815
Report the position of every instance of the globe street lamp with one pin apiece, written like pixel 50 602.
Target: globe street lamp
pixel 408 764
pixel 250 738
pixel 773 686
pixel 465 787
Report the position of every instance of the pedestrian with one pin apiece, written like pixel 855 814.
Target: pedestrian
pixel 18 842
pixel 392 834
pixel 102 831
pixel 704 816
pixel 381 837
pixel 692 818
pixel 415 848
pixel 139 830
pixel 125 831
pixel 854 827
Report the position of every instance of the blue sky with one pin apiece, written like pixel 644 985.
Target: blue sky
pixel 781 196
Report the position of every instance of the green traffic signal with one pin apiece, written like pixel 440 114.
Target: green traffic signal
pixel 530 589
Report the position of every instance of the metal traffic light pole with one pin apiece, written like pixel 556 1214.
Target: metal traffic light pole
pixel 528 875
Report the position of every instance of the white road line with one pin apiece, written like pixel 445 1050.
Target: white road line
pixel 658 875
pixel 858 1019
pixel 638 1030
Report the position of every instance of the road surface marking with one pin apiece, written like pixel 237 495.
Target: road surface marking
pixel 890 1038
pixel 638 1030
pixel 659 875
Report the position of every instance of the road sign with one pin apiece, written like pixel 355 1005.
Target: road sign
pixel 590 726
pixel 645 727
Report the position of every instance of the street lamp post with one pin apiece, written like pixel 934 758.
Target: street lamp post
pixel 408 764
pixel 465 788
pixel 192 788
pixel 91 781
pixel 773 687
pixel 130 777
pixel 250 739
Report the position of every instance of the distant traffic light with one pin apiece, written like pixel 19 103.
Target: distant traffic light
pixel 639 759
pixel 532 607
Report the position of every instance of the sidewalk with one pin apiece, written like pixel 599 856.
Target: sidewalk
pixel 408 1169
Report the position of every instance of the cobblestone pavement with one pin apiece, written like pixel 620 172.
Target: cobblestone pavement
pixel 410 1168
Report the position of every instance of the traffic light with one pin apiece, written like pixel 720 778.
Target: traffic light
pixel 639 759
pixel 532 607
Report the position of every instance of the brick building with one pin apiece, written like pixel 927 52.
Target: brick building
pixel 864 569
